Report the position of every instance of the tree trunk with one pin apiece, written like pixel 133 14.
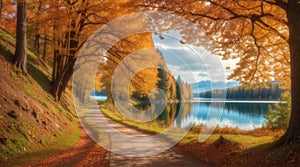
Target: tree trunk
pixel 60 83
pixel 20 53
pixel 37 35
pixel 64 62
pixel 293 132
pixel 63 66
pixel 37 43
pixel 45 48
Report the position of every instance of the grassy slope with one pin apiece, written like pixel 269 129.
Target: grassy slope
pixel 32 124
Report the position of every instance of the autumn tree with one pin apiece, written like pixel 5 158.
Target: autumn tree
pixel 144 81
pixel 36 14
pixel 292 8
pixel 21 53
pixel 172 87
pixel 263 34
pixel 42 18
pixel 178 90
pixel 75 17
pixel 75 21
pixel 162 79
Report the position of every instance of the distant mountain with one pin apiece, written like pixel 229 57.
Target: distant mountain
pixel 204 86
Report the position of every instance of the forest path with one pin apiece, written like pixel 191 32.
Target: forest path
pixel 86 152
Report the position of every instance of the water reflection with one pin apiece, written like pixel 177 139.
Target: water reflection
pixel 245 116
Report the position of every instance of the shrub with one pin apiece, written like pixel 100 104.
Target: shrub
pixel 278 116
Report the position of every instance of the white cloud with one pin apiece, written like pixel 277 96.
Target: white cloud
pixel 189 61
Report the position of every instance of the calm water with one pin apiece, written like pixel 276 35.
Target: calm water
pixel 244 115
pixel 101 98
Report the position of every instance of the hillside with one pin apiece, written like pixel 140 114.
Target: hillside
pixel 30 119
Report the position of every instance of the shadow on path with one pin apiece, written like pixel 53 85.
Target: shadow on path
pixel 166 158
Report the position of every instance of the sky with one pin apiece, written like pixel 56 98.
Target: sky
pixel 193 64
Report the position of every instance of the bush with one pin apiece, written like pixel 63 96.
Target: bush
pixel 278 116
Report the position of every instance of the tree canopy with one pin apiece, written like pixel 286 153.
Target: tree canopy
pixel 264 35
pixel 255 32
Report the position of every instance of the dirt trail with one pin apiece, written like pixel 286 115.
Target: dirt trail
pixel 167 158
pixel 87 153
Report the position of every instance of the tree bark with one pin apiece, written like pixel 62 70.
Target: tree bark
pixel 45 48
pixel 64 62
pixel 63 65
pixel 37 43
pixel 21 53
pixel 293 132
pixel 61 82
pixel 37 35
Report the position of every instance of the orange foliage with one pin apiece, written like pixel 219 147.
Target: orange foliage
pixel 256 32
pixel 8 16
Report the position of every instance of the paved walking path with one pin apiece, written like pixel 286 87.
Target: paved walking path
pixel 164 159
pixel 87 153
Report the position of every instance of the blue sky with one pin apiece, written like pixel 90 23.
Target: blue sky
pixel 192 63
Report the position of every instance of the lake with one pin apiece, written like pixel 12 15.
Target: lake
pixel 100 98
pixel 245 115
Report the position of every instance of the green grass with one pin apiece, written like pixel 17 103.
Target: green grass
pixel 247 141
pixel 7 42
pixel 19 140
pixel 152 127
pixel 65 139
